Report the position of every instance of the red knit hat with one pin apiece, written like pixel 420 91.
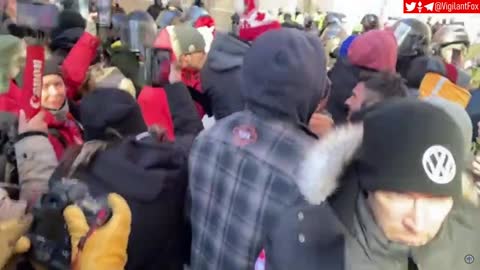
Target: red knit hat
pixel 253 23
pixel 376 49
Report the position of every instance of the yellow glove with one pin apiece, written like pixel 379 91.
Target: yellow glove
pixel 12 240
pixel 104 247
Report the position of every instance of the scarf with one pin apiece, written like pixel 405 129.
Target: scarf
pixel 63 130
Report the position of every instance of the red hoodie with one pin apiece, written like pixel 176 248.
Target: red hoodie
pixel 76 64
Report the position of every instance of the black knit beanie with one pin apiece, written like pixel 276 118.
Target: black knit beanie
pixel 52 67
pixel 411 146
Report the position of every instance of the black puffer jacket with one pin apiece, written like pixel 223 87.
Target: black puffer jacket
pixel 221 76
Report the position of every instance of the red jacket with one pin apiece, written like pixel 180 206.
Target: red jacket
pixel 9 100
pixel 76 64
pixel 155 109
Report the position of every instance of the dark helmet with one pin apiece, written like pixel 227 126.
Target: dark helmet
pixel 333 18
pixel 194 13
pixel 413 37
pixel 451 34
pixel 451 42
pixel 308 21
pixel 370 22
pixel 141 31
pixel 167 17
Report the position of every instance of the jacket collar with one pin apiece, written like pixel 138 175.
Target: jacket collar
pixel 326 163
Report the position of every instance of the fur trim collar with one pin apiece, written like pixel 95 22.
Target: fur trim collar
pixel 326 161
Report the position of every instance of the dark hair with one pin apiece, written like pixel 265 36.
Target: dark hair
pixel 386 84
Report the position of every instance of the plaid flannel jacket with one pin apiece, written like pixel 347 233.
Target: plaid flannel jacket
pixel 242 176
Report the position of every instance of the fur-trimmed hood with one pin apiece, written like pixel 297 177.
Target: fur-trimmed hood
pixel 326 161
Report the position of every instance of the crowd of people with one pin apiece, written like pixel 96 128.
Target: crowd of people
pixel 328 150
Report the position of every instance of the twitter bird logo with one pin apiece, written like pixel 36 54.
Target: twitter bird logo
pixel 410 7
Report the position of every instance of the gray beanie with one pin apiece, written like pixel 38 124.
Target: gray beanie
pixel 459 115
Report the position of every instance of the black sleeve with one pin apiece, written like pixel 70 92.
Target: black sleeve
pixel 202 99
pixel 186 120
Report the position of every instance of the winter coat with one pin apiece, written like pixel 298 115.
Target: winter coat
pixel 14 97
pixel 243 169
pixel 344 78
pixel 221 76
pixel 77 62
pixel 152 176
pixel 36 161
pixel 333 228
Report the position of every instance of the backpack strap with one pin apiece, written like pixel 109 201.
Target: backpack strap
pixel 56 133
pixel 64 167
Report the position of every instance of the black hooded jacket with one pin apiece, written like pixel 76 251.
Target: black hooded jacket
pixel 273 90
pixel 221 76
pixel 243 168
pixel 149 172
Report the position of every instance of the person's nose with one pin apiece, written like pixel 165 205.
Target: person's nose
pixel 415 221
pixel 348 101
pixel 52 90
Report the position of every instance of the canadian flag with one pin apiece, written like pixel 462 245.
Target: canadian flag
pixel 253 22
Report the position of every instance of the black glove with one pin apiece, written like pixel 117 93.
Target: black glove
pixel 35 37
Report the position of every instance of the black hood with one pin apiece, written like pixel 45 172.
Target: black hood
pixel 226 53
pixel 285 82
pixel 107 110
pixel 344 76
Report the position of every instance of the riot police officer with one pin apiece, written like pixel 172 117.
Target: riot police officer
pixel 413 39
pixel 332 37
pixel 451 43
